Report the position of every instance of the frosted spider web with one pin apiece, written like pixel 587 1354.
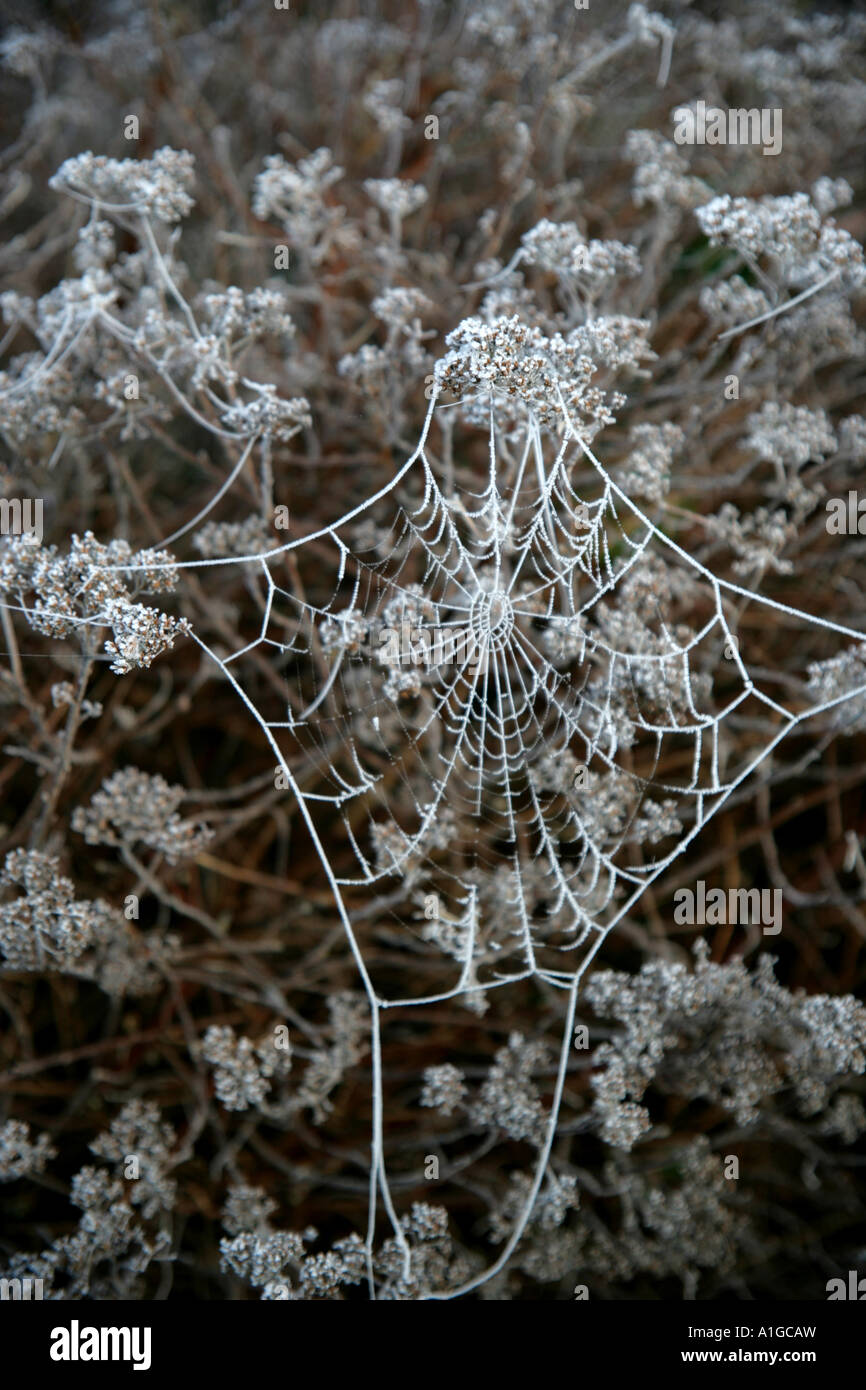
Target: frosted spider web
pixel 496 799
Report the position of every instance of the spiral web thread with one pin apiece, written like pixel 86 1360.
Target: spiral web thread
pixel 499 726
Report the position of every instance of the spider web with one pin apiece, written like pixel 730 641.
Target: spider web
pixel 505 726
